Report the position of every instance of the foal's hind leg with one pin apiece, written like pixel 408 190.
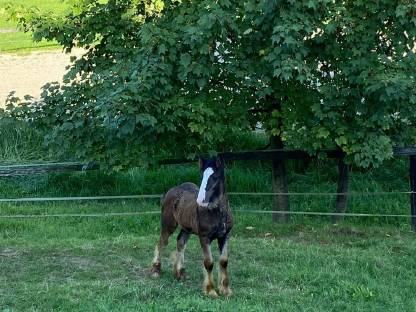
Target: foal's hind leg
pixel 208 285
pixel 165 232
pixel 224 282
pixel 178 268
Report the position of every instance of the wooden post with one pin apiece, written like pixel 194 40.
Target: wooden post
pixel 280 202
pixel 341 201
pixel 412 160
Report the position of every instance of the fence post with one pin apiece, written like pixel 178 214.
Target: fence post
pixel 280 202
pixel 412 160
pixel 341 200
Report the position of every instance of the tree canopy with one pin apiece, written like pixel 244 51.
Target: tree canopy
pixel 184 77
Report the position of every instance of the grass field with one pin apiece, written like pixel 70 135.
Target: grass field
pixel 90 264
pixel 12 40
pixel 101 264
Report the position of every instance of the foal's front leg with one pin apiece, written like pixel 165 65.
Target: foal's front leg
pixel 224 281
pixel 208 285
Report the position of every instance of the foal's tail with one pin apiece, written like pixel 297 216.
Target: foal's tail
pixel 162 200
pixel 162 208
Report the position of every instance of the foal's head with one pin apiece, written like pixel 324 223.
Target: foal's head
pixel 213 182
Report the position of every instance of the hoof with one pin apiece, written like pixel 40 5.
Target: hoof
pixel 155 270
pixel 225 291
pixel 180 275
pixel 211 293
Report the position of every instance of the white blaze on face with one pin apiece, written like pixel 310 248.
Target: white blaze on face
pixel 202 190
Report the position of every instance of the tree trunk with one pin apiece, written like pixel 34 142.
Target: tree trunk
pixel 341 201
pixel 280 202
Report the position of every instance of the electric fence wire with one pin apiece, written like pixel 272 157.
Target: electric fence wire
pixel 152 196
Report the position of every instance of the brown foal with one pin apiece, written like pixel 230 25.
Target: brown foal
pixel 204 212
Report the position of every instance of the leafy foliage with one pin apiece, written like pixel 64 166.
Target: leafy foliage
pixel 181 77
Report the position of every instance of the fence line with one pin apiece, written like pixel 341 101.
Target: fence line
pixel 277 155
pixel 49 199
pixel 153 212
pixel 144 196
pixel 78 215
pixel 315 213
pixel 320 193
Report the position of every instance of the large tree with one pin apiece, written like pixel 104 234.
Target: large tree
pixel 182 77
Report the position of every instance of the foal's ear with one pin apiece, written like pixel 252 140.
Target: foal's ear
pixel 219 162
pixel 201 163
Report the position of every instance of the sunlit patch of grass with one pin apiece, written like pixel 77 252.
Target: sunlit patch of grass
pixel 18 41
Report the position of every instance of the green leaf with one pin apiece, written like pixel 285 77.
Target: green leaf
pixel 185 60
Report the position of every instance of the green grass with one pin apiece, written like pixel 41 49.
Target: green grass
pixel 56 6
pixel 20 142
pixel 22 42
pixel 102 264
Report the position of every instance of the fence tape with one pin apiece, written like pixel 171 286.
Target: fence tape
pixel 118 214
pixel 313 213
pixel 153 212
pixel 49 199
pixel 86 198
pixel 76 215
pixel 319 193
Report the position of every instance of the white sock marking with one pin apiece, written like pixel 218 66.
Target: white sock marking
pixel 180 260
pixel 156 255
pixel 202 190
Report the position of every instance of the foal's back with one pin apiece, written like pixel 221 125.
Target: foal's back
pixel 179 206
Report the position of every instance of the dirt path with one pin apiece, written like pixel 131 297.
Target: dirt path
pixel 27 74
